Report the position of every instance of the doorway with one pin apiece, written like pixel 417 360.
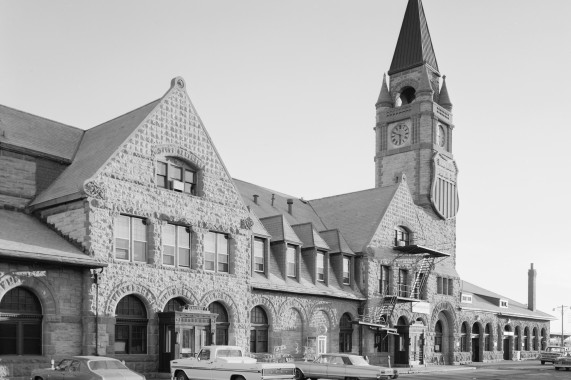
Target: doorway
pixel 475 342
pixel 402 342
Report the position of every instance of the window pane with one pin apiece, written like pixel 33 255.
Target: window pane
pixel 184 257
pixel 168 255
pixel 169 235
pixel 122 249
pixel 222 241
pixel 210 242
pixel 183 237
pixel 121 338
pixel 122 227
pixel 32 339
pixel 140 251
pixel 139 230
pixel 138 341
pixel 175 173
pixel 346 271
pixel 209 261
pixel 8 338
pixel 189 176
pixel 161 174
pixel 223 262
pixel 320 269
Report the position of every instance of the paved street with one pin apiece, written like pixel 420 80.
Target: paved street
pixel 505 370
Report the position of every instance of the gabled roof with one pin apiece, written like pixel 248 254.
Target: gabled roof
pixel 38 135
pixel 309 236
pixel 97 145
pixel 280 230
pixel 357 215
pixel 23 237
pixel 414 46
pixel 485 300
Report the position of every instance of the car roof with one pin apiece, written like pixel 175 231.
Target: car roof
pixel 92 357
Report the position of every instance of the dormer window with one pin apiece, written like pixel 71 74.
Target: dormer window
pixel 320 265
pixel 466 298
pixel 504 303
pixel 402 236
pixel 346 271
pixel 176 175
pixel 291 261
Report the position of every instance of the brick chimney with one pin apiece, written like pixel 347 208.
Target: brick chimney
pixel 531 276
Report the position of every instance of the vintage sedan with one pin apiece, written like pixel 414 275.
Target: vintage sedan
pixel 563 362
pixel 342 367
pixel 87 368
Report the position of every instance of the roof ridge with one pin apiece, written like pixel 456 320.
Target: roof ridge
pixel 353 192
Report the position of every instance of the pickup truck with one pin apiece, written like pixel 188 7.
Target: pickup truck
pixel 228 363
pixel 553 352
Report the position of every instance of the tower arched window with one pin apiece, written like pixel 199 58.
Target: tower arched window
pixel 407 95
pixel 402 236
pixel 175 174
pixel 131 326
pixel 259 330
pixel 20 323
pixel 175 304
pixel 535 341
pixel 438 337
pixel 222 322
pixel 526 339
pixel 345 334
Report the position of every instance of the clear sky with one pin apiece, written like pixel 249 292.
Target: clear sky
pixel 287 90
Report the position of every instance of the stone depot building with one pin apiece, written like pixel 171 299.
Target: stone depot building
pixel 132 240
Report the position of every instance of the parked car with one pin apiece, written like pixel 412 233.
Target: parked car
pixel 87 368
pixel 563 362
pixel 552 352
pixel 341 367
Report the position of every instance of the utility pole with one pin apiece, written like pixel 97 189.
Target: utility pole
pixel 562 307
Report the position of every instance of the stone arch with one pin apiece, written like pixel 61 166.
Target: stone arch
pixel 444 313
pixel 406 315
pixel 38 287
pixel 478 349
pixel 177 151
pixel 419 317
pixel 226 300
pixel 174 292
pixel 148 298
pixel 329 312
pixel 292 303
pixel 448 310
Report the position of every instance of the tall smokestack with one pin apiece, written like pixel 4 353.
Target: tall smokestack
pixel 531 276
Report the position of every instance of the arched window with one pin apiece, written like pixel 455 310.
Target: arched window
pixel 488 338
pixel 526 339
pixel 177 175
pixel 222 323
pixel 535 339
pixel 258 330
pixel 407 95
pixel 345 334
pixel 438 337
pixel 464 338
pixel 517 338
pixel 131 326
pixel 175 304
pixel 20 323
pixel 402 236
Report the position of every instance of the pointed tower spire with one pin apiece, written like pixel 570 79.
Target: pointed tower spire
pixel 444 100
pixel 414 46
pixel 385 99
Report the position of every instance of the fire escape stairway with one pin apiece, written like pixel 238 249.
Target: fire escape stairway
pixel 424 267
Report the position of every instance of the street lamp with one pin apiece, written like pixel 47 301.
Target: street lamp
pixel 562 307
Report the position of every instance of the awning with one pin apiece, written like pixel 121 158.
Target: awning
pixel 414 249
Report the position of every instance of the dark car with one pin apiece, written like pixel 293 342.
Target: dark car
pixel 87 368
pixel 563 362
pixel 341 367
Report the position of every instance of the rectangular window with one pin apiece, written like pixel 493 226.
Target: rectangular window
pixel 189 182
pixel 384 280
pixel 382 341
pixel 445 286
pixel 439 285
pixel 291 258
pixel 161 174
pixel 176 245
pixel 450 287
pixel 216 253
pixel 320 264
pixel 259 255
pixel 130 238
pixel 346 271
pixel 403 283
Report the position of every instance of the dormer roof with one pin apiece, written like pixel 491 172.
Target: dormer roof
pixel 309 236
pixel 280 230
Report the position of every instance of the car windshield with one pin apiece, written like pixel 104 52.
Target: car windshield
pixel 96 365
pixel 555 349
pixel 358 360
pixel 64 364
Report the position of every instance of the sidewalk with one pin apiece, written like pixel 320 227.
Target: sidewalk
pixel 469 366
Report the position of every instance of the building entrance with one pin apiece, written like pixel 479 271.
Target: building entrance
pixel 184 333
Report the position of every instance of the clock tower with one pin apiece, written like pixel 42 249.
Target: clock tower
pixel 414 123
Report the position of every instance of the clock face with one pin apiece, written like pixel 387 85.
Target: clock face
pixel 399 134
pixel 441 137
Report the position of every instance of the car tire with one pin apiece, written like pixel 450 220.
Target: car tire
pixel 557 368
pixel 542 362
pixel 180 375
pixel 395 376
pixel 298 375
